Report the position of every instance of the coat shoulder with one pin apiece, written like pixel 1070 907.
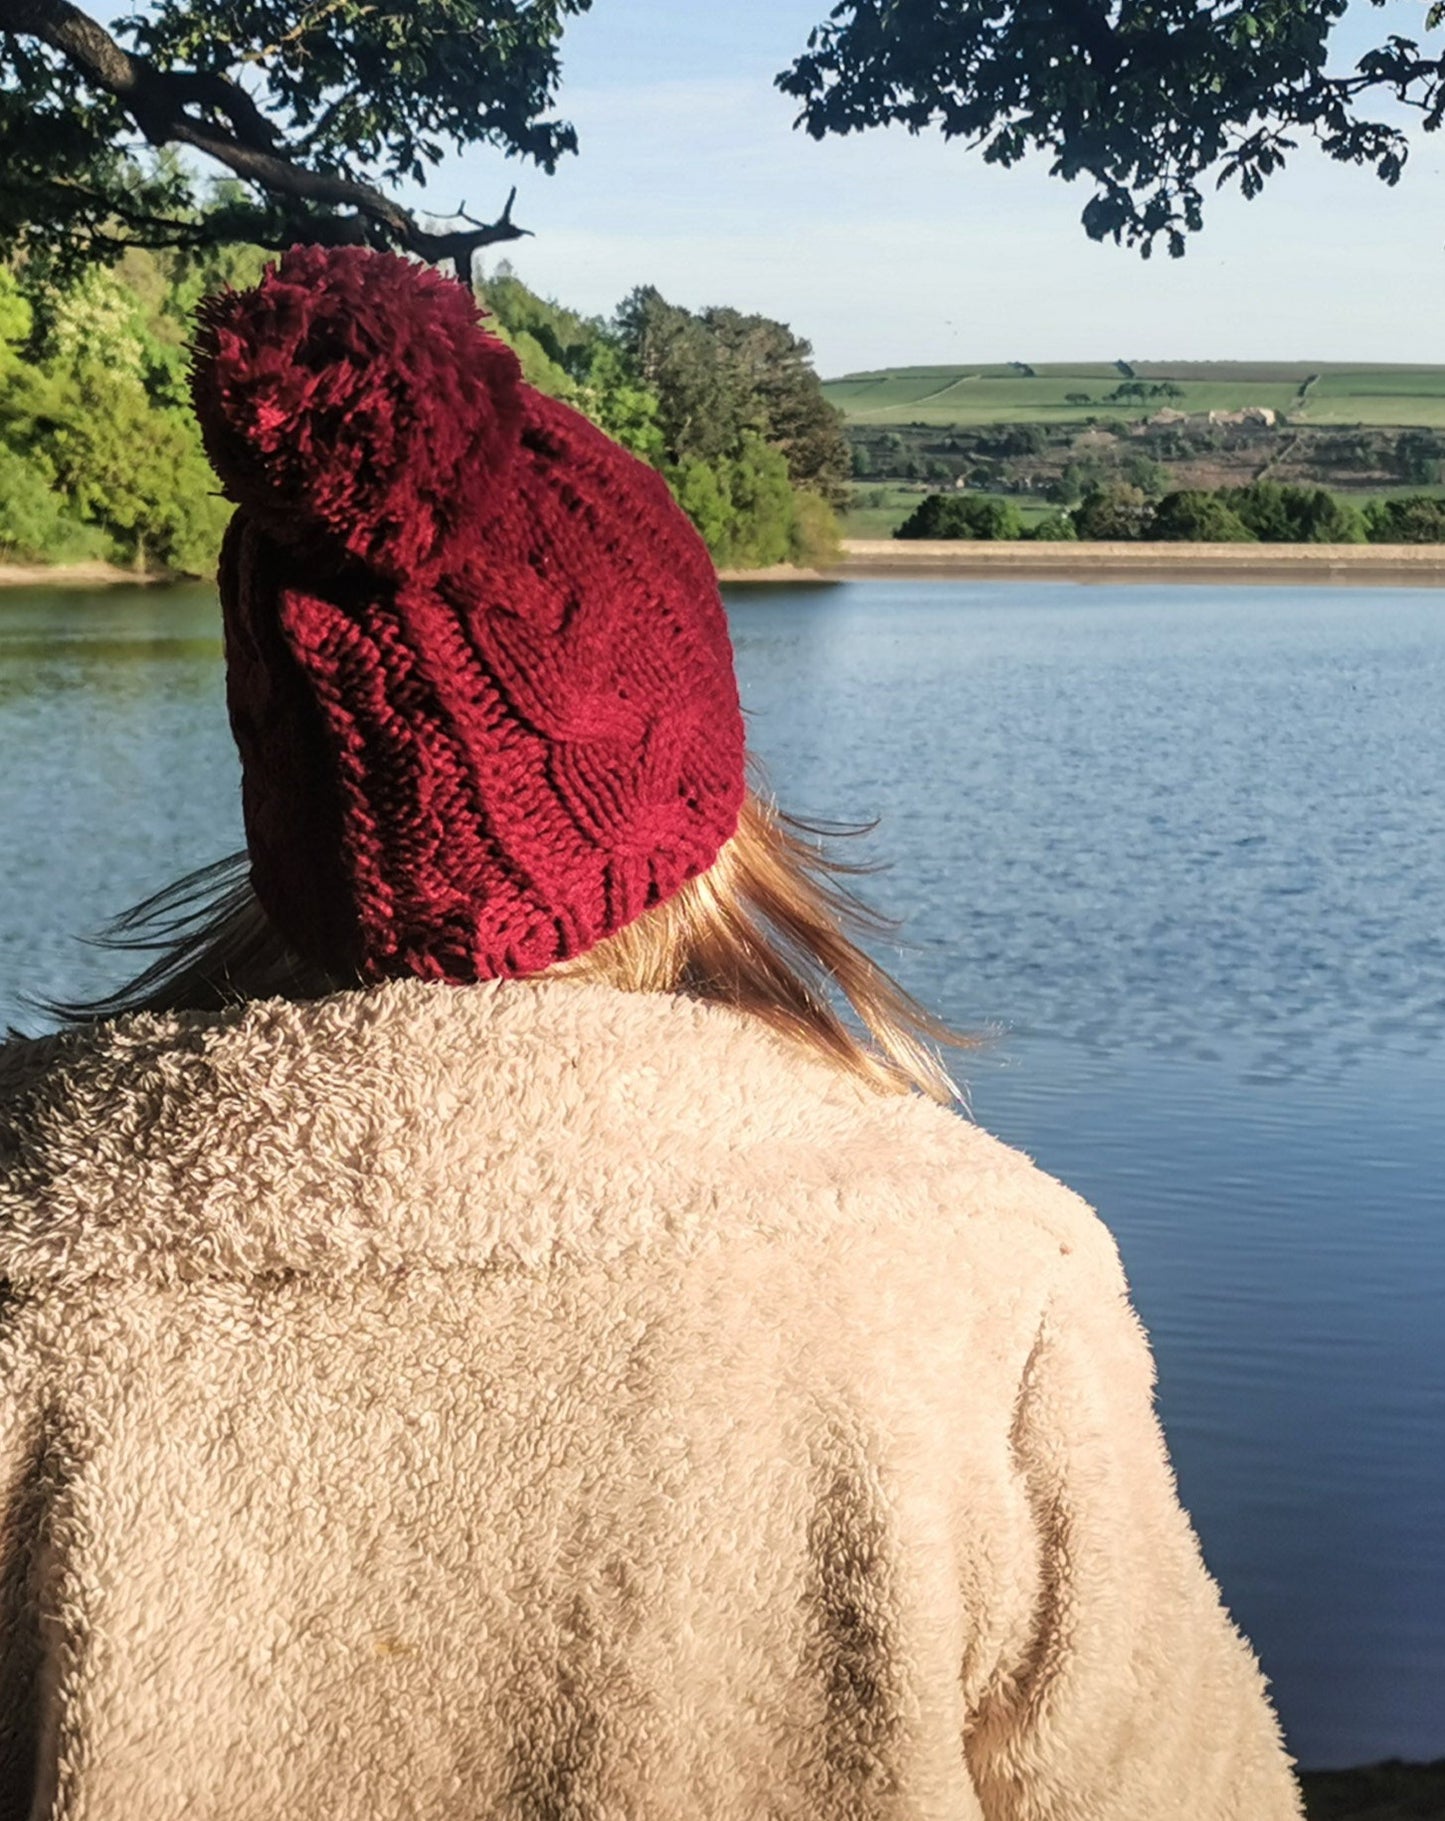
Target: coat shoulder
pixel 414 1126
pixel 971 1180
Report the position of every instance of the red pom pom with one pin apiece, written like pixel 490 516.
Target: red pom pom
pixel 355 396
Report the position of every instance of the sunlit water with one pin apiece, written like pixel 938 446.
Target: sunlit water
pixel 1182 852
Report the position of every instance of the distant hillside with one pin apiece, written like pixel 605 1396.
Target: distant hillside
pixel 1306 393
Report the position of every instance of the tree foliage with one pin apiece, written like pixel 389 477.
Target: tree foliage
pixel 947 515
pixel 99 452
pixel 100 455
pixel 1419 519
pixel 704 406
pixel 1144 100
pixel 1112 513
pixel 577 358
pixel 1279 514
pixel 313 106
pixel 727 406
pixel 754 451
pixel 1192 516
pixel 722 375
pixel 774 368
pixel 1265 512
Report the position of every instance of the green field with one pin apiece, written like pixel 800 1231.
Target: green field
pixel 1306 393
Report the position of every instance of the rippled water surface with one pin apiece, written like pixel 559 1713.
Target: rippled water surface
pixel 1180 851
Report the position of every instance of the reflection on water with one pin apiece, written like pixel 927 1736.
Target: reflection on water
pixel 1286 1250
pixel 1182 848
pixel 1184 845
pixel 119 771
pixel 1196 821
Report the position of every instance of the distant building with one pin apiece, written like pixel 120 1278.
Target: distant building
pixel 1251 414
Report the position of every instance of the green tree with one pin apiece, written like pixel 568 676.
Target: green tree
pixel 315 110
pixel 706 498
pixel 612 395
pixel 1195 517
pixel 720 374
pixel 815 538
pixel 960 515
pixel 1279 514
pixel 703 405
pixel 1419 519
pixel 16 316
pixel 34 526
pixel 1143 472
pixel 577 358
pixel 737 395
pixel 762 502
pixel 773 368
pixel 99 455
pixel 1418 456
pixel 1145 101
pixel 1113 513
pixel 749 514
pixel 1014 439
pixel 137 472
pixel 1077 478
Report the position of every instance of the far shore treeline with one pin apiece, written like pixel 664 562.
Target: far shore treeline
pixel 1262 512
pixel 101 458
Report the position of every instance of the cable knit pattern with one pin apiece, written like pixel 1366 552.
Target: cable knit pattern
pixel 478 669
pixel 530 1399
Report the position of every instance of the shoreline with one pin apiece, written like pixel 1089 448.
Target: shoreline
pixel 1388 1791
pixel 83 575
pixel 888 559
pixel 1419 565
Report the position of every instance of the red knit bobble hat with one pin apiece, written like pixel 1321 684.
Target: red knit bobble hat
pixel 476 662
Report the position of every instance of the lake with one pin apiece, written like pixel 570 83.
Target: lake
pixel 1179 853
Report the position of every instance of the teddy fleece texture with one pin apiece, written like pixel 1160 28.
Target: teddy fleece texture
pixel 535 1400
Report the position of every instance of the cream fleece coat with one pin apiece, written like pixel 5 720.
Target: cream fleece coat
pixel 542 1401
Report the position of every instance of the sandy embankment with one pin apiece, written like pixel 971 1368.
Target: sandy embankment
pixel 1422 564
pixel 75 575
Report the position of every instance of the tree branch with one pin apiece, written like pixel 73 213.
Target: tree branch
pixel 297 32
pixel 158 102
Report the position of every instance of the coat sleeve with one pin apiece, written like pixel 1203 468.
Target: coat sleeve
pixel 1133 1698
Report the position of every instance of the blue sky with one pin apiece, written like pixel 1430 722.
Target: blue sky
pixel 887 249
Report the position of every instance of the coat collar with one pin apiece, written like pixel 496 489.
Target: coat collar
pixel 416 1124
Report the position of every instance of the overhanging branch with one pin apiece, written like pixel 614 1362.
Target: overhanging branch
pixel 214 115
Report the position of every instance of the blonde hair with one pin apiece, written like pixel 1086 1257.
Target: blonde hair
pixel 767 929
